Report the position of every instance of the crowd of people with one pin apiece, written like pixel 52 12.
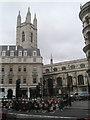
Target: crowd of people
pixel 37 104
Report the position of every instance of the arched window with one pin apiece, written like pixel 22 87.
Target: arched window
pixel 47 70
pixel 72 66
pixel 55 69
pixel 69 80
pixel 82 65
pixel 23 36
pixel 59 81
pixel 80 80
pixel 63 68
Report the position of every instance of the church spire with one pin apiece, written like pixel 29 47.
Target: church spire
pixel 28 17
pixel 51 60
pixel 19 19
pixel 35 21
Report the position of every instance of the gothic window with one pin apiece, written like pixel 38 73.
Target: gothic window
pixel 72 66
pixel 3 53
pixel 31 37
pixel 82 65
pixel 69 80
pixel 80 80
pixel 55 69
pixel 11 53
pixel 59 81
pixel 63 68
pixel 23 36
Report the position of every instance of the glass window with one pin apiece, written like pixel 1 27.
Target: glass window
pixel 24 69
pixel 20 53
pixel 47 70
pixel 11 69
pixel 25 53
pixel 34 69
pixel 34 80
pixel 59 81
pixel 72 66
pixel 69 80
pixel 24 80
pixel 23 36
pixel 19 69
pixel 55 69
pixel 82 65
pixel 63 68
pixel 11 53
pixel 2 81
pixel 80 80
pixel 3 53
pixel 10 81
pixel 2 69
pixel 34 53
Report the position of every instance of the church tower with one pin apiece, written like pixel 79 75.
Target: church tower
pixel 26 32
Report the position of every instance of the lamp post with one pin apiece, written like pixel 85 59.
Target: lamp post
pixel 84 16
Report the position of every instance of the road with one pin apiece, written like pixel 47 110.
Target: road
pixel 79 109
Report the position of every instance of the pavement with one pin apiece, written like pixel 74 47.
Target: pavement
pixel 78 110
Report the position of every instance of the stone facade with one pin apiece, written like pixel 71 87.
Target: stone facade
pixel 23 61
pixel 84 16
pixel 65 77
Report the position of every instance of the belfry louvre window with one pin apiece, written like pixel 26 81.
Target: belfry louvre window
pixel 23 36
pixel 31 37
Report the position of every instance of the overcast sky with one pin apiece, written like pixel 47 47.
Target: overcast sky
pixel 59 27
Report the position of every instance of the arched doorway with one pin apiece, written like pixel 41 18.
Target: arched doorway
pixel 9 94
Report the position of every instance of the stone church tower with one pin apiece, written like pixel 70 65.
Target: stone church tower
pixel 26 34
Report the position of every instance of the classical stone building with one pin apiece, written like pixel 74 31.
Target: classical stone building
pixel 65 77
pixel 84 16
pixel 22 61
